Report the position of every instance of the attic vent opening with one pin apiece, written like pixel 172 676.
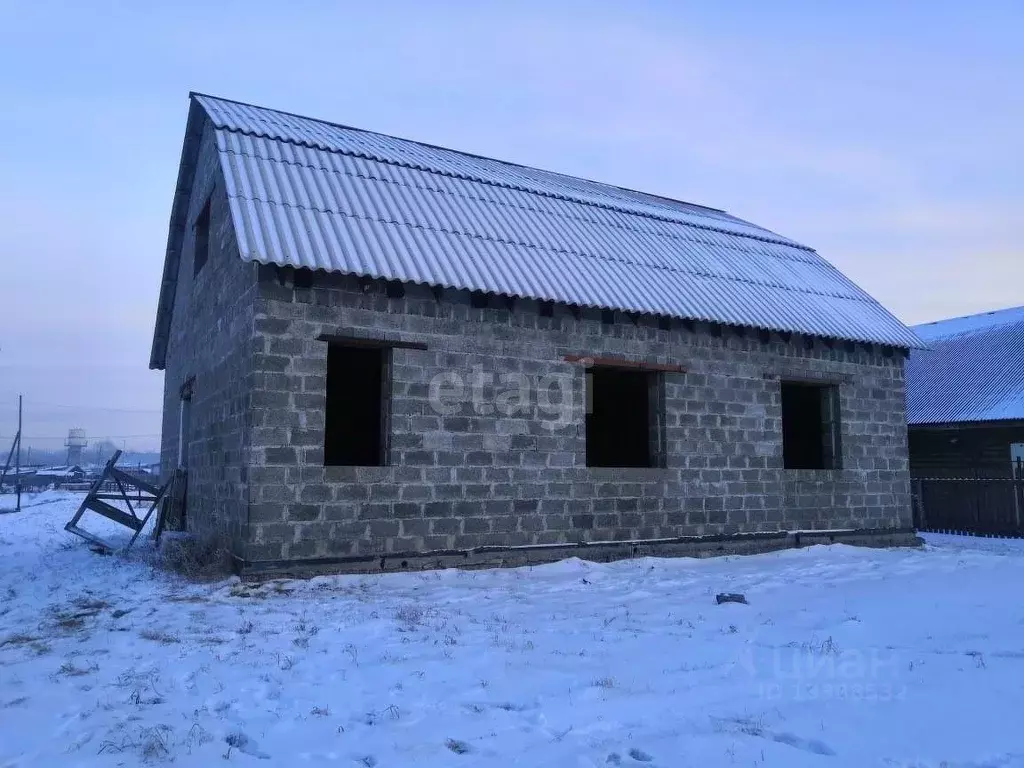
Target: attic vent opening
pixel 356 418
pixel 622 417
pixel 304 278
pixel 810 426
pixel 201 252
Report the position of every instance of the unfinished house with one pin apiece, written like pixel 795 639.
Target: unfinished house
pixel 385 354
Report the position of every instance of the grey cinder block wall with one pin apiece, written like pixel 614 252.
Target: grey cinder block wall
pixel 474 479
pixel 468 478
pixel 210 339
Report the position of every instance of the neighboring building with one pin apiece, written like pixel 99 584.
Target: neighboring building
pixel 40 478
pixel 26 476
pixel 379 354
pixel 965 396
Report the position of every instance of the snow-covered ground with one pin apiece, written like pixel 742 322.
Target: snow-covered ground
pixel 843 657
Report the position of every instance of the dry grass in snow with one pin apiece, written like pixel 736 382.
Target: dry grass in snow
pixel 843 657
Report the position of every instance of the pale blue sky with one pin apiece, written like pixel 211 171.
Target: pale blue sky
pixel 889 138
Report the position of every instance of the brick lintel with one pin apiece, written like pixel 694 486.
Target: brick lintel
pixel 359 341
pixel 619 362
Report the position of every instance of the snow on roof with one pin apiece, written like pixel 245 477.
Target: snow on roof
pixel 972 372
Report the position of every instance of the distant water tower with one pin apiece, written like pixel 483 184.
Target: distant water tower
pixel 75 443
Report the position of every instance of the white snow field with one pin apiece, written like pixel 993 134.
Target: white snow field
pixel 843 657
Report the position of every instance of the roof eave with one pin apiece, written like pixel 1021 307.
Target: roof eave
pixel 1008 421
pixel 175 231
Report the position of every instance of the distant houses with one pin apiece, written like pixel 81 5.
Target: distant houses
pixel 33 479
pixel 72 477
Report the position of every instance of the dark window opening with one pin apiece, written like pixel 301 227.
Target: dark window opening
pixel 546 309
pixel 356 400
pixel 608 316
pixel 664 323
pixel 394 289
pixel 202 231
pixel 304 278
pixel 810 426
pixel 479 300
pixel 621 418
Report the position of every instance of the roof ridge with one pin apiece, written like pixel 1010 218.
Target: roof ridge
pixel 453 151
pixel 972 316
pixel 959 336
pixel 768 237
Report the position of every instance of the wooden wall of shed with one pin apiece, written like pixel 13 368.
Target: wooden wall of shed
pixel 981 450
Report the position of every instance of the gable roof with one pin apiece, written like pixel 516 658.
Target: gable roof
pixel 972 372
pixel 308 193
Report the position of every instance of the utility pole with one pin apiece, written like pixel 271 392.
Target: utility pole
pixel 15 451
pixel 17 462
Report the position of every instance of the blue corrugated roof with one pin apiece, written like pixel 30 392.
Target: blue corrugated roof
pixel 943 329
pixel 308 193
pixel 973 371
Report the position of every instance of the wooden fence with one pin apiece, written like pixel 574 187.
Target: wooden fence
pixel 977 506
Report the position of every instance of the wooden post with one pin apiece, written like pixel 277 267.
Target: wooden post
pixel 17 463
pixel 1018 490
pixel 977 501
pixel 1016 503
pixel 919 505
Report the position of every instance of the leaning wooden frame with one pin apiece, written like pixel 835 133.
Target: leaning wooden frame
pixel 113 484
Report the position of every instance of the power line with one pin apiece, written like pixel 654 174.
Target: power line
pixel 95 439
pixel 92 407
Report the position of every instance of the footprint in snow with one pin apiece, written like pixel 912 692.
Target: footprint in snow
pixel 741 726
pixel 456 746
pixel 245 745
pixel 808 745
pixel 506 706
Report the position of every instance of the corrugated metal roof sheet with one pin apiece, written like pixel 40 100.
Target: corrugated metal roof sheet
pixel 313 194
pixel 303 131
pixel 943 329
pixel 974 370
